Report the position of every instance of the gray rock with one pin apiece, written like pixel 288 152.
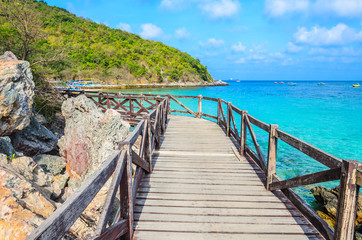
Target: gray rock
pixel 90 136
pixel 40 118
pixel 8 57
pixel 35 139
pixel 49 163
pixel 16 94
pixel 6 147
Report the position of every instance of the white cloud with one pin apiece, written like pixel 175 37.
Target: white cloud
pixel 212 43
pixel 220 9
pixel 239 47
pixel 277 55
pixel 292 48
pixel 241 60
pixel 172 4
pixel 150 30
pixel 277 8
pixel 124 27
pixel 346 51
pixel 319 36
pixel 182 33
pixel 339 8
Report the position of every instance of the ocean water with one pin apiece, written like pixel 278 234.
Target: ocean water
pixel 328 117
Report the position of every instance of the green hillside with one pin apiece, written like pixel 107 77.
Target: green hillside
pixel 81 49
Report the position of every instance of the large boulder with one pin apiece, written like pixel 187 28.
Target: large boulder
pixel 6 147
pixel 16 94
pixel 23 206
pixel 327 200
pixel 89 137
pixel 34 139
pixel 51 164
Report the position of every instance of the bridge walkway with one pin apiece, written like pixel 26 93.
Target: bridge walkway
pixel 200 189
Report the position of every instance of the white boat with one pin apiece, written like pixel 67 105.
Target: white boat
pixel 321 84
pixel 291 84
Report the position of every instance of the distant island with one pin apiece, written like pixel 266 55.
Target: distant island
pixel 64 46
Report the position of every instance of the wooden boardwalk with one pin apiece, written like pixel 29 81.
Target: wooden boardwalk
pixel 200 189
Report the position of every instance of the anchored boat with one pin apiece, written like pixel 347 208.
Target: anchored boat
pixel 356 85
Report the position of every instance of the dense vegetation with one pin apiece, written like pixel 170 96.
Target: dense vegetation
pixel 73 48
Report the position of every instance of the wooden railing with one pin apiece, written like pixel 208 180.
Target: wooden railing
pixel 346 171
pixel 150 112
pixel 119 164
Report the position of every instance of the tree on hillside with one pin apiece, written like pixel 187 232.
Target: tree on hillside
pixel 21 26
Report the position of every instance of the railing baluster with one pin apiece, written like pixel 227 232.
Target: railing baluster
pixel 272 154
pixel 218 111
pixel 243 132
pixel 228 120
pixel 199 112
pixel 125 194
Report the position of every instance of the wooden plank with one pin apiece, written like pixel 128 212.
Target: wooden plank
pixel 182 105
pixel 226 228
pixel 136 183
pixel 167 235
pixel 258 123
pixel 113 188
pixel 257 147
pixel 115 231
pixel 275 220
pixel 136 159
pixel 209 211
pixel 313 152
pixel 63 218
pixel 131 138
pixel 125 195
pixel 209 116
pixel 215 204
pixel 308 212
pixel 323 176
pixel 210 197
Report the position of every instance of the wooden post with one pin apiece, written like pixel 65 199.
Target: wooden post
pixel 130 104
pixel 169 103
pixel 148 142
pixel 347 202
pixel 126 194
pixel 141 99
pixel 100 95
pixel 228 120
pixel 108 102
pixel 243 133
pixel 218 111
pixel 272 154
pixel 200 107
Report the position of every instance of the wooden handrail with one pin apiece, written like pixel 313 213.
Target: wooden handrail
pixel 348 172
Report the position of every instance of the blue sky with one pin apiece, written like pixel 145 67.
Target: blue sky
pixel 249 40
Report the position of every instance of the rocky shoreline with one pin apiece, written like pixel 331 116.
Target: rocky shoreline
pixel 327 200
pixel 158 85
pixel 40 165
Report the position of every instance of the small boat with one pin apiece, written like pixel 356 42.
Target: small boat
pixel 321 84
pixel 237 81
pixel 275 83
pixel 281 83
pixel 292 84
pixel 356 85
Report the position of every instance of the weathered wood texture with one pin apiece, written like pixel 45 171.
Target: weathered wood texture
pixel 199 189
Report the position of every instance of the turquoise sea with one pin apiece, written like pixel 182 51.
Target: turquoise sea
pixel 328 117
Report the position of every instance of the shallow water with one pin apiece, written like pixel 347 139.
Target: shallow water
pixel 328 117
